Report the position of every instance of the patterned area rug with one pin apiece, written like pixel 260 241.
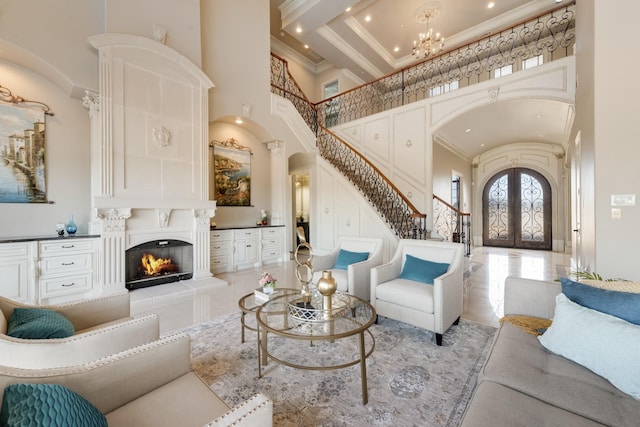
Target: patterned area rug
pixel 411 381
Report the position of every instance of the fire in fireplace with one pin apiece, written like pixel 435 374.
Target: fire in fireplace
pixel 158 262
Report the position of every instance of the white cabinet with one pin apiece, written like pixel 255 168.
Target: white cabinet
pixel 272 244
pixel 247 247
pixel 50 271
pixel 16 271
pixel 221 251
pixel 239 248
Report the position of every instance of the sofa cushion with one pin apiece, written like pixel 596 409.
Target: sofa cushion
pixel 47 405
pixel 197 402
pixel 518 360
pixel 38 323
pixel 609 346
pixel 496 405
pixel 422 270
pixel 625 305
pixel 346 258
pixel 407 293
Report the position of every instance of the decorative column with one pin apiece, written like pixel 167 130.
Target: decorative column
pixel 113 246
pixel 201 243
pixel 278 181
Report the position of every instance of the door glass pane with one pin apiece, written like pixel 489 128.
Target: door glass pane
pixel 532 209
pixel 499 209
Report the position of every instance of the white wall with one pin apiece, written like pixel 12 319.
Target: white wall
pixel 606 117
pixel 67 159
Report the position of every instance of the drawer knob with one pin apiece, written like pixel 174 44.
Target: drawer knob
pixel 68 263
pixel 68 246
pixel 68 285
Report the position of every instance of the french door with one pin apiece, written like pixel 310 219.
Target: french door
pixel 516 208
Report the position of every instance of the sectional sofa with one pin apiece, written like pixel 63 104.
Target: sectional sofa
pixel 522 383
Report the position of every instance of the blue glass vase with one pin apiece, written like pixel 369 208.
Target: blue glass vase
pixel 71 226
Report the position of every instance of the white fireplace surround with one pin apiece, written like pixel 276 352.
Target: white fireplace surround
pixel 149 126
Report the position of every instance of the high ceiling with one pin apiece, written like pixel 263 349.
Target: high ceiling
pixel 367 49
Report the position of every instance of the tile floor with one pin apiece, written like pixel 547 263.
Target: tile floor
pixel 186 303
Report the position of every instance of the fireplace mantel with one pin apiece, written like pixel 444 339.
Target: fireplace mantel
pixel 149 152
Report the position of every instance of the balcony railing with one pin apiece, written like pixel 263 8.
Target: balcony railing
pixel 551 35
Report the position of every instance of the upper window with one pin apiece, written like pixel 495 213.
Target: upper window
pixel 330 89
pixel 447 87
pixel 503 71
pixel 532 62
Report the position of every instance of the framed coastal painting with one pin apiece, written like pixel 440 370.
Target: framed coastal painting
pixel 22 154
pixel 231 173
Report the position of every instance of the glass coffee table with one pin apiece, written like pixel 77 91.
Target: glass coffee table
pixel 248 304
pixel 315 339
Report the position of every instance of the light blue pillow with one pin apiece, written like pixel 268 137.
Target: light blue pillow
pixel 625 305
pixel 422 270
pixel 38 323
pixel 607 345
pixel 47 405
pixel 346 258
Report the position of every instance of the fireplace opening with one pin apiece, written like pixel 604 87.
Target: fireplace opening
pixel 158 262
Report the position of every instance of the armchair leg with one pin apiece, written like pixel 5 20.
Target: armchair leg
pixel 376 322
pixel 457 321
pixel 439 339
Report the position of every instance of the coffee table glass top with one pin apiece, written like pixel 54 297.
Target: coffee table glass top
pixel 289 316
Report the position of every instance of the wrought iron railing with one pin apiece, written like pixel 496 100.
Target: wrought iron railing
pixel 283 84
pixel 551 34
pixel 451 223
pixel 393 206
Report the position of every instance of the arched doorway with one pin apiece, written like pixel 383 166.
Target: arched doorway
pixel 516 206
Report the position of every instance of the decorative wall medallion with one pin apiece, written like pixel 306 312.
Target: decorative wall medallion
pixel 161 136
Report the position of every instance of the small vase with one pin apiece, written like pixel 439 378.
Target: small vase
pixel 264 222
pixel 71 226
pixel 327 286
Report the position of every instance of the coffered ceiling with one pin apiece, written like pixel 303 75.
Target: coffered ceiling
pixel 374 38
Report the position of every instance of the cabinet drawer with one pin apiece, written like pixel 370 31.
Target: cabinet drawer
pixel 65 285
pixel 57 247
pixel 273 242
pixel 66 264
pixel 271 232
pixel 221 264
pixel 246 234
pixel 222 235
pixel 221 247
pixel 14 249
pixel 271 254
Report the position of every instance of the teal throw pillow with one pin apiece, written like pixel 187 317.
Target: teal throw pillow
pixel 604 344
pixel 38 323
pixel 346 258
pixel 422 270
pixel 47 405
pixel 625 305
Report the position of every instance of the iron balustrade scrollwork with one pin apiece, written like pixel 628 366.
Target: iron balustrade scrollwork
pixel 399 213
pixel 451 223
pixel 551 34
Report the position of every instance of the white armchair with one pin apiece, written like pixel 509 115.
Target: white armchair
pixel 356 278
pixel 103 326
pixel 433 307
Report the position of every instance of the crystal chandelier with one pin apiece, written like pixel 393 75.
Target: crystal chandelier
pixel 428 42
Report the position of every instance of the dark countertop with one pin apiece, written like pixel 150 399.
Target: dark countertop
pixel 46 237
pixel 240 227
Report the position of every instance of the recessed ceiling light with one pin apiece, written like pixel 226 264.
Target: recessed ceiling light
pixel 306 46
pixel 541 136
pixel 298 30
pixel 367 18
pixel 538 116
pixel 490 5
pixel 396 49
pixel 238 120
pixel 467 130
pixel 481 145
pixel 348 9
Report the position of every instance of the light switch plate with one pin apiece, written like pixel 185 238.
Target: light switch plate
pixel 616 213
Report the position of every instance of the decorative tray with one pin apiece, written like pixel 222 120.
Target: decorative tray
pixel 299 311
